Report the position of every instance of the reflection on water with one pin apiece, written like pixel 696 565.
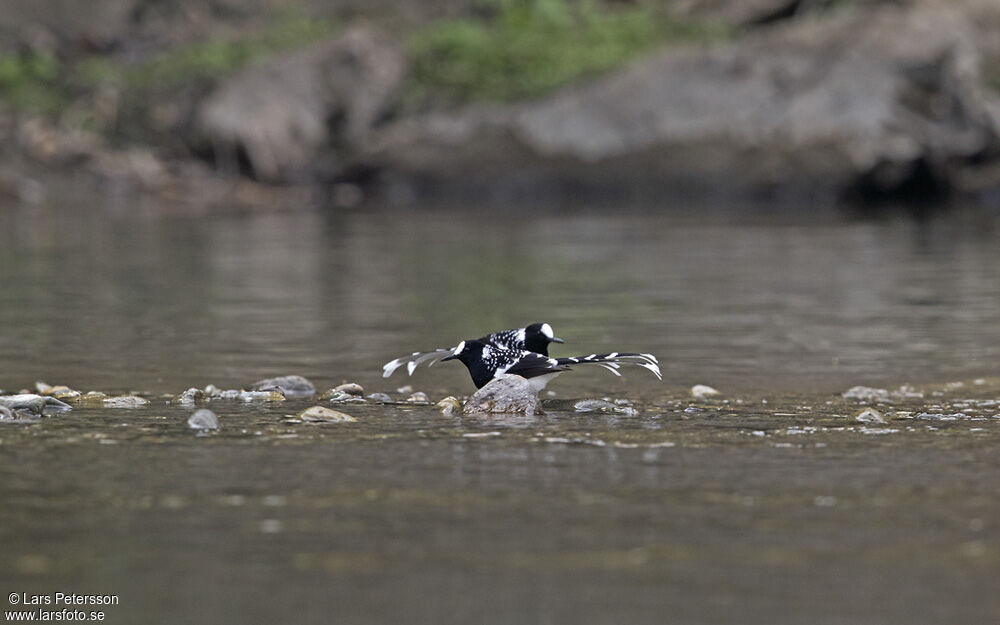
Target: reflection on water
pixel 160 303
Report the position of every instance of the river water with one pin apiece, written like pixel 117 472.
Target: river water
pixel 768 504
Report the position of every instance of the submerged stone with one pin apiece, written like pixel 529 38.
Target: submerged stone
pixel 203 419
pixel 870 415
pixel 325 415
pixel 868 394
pixel 600 405
pixel 701 391
pixel 449 406
pixel 125 401
pixel 351 388
pixel 419 397
pixel 255 396
pixel 35 404
pixel 381 397
pixel 507 394
pixel 190 396
pixel 288 385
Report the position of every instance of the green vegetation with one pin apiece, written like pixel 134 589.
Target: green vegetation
pixel 531 46
pixel 44 85
pixel 28 81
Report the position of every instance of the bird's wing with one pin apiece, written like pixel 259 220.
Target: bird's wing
pixel 531 364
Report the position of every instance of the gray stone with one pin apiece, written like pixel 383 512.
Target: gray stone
pixel 35 404
pixel 507 394
pixel 603 406
pixel 870 415
pixel 287 385
pixel 863 99
pixel 325 415
pixel 278 113
pixel 203 419
pixel 380 397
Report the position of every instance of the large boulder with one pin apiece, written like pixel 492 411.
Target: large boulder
pixel 279 114
pixel 507 394
pixel 867 98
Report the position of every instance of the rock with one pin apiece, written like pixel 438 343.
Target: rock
pixel 60 392
pixel 6 414
pixel 279 113
pixel 449 406
pixel 702 391
pixel 203 419
pixel 868 394
pixel 337 397
pixel 125 401
pixel 288 385
pixel 93 399
pixel 260 396
pixel 35 404
pixel 507 394
pixel 190 396
pixel 419 397
pixel 351 388
pixel 869 415
pixel 600 405
pixel 325 415
pixel 872 101
pixel 380 397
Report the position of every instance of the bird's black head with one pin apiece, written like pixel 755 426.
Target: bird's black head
pixel 537 337
pixel 472 353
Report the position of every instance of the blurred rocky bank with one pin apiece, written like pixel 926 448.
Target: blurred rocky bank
pixel 774 101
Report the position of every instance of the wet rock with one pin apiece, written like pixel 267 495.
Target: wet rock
pixel 702 391
pixel 125 401
pixel 190 396
pixel 603 406
pixel 34 404
pixel 6 414
pixel 870 415
pixel 287 385
pixel 261 396
pixel 203 419
pixel 93 399
pixel 324 415
pixel 871 101
pixel 278 113
pixel 449 406
pixel 507 394
pixel 60 392
pixel 380 397
pixel 339 397
pixel 351 388
pixel 868 394
pixel 418 397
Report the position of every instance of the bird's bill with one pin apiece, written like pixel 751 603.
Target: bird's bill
pixel 556 339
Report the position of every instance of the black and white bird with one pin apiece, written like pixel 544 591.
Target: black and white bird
pixel 486 361
pixel 532 338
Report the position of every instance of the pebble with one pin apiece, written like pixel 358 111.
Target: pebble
pixel 868 394
pixel 324 415
pixel 192 395
pixel 870 415
pixel 255 396
pixel 449 406
pixel 125 401
pixel 287 385
pixel 32 403
pixel 62 392
pixel 382 397
pixel 702 391
pixel 600 405
pixel 351 388
pixel 203 419
pixel 418 398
